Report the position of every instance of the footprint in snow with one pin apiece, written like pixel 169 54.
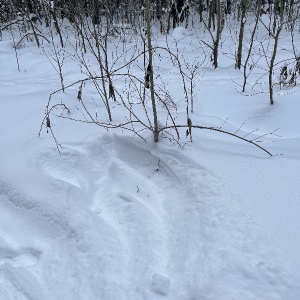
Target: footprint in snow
pixel 65 168
pixel 23 257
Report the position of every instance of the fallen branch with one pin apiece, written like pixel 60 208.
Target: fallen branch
pixel 218 130
pixel 27 34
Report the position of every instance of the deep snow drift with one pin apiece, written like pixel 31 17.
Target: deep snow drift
pixel 115 217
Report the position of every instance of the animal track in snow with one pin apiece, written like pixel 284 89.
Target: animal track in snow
pixel 64 167
pixel 23 257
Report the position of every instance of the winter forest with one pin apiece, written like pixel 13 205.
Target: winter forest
pixel 149 149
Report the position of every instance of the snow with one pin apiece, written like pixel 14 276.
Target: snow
pixel 114 217
pixel 160 284
pixel 179 32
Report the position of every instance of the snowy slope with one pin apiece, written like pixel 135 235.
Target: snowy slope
pixel 115 217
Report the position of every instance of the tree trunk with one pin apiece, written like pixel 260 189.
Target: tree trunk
pixel 150 70
pixel 272 64
pixel 258 10
pixel 241 35
pixel 211 14
pixel 95 12
pixel 276 39
pixel 218 34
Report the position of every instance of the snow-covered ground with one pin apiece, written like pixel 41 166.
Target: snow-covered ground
pixel 114 217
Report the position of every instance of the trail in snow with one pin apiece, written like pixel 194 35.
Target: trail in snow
pixel 127 220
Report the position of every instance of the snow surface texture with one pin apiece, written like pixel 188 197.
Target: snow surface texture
pixel 114 217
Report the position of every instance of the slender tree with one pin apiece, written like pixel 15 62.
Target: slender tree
pixel 150 73
pixel 244 5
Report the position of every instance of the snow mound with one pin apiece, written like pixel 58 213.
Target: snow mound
pixel 179 32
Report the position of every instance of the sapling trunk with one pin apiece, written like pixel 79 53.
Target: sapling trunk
pixel 150 69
